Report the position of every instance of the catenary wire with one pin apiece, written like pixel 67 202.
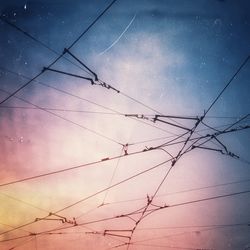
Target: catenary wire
pixel 60 56
pixel 151 210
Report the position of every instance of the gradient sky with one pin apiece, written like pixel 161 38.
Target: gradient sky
pixel 166 57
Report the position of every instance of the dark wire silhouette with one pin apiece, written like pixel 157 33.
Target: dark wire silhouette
pixel 68 120
pixel 139 212
pixel 120 156
pixel 83 99
pixel 90 196
pixel 60 56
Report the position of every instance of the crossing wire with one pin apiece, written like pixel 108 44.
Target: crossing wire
pixel 122 216
pixel 228 83
pixel 83 99
pixel 111 158
pixel 92 195
pixel 46 46
pixel 61 55
pixel 216 98
pixel 180 153
pixel 69 121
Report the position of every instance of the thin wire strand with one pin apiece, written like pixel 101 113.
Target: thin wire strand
pixel 91 196
pixel 60 56
pixel 151 210
pixel 68 120
pixel 228 83
pixel 112 178
pixel 83 99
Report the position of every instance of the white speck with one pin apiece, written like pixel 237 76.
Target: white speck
pixel 218 22
pixel 25 7
pixel 14 14
pixel 10 138
pixel 25 63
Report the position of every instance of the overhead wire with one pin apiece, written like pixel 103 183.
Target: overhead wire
pixel 155 110
pixel 92 195
pixel 22 201
pixel 107 159
pixel 168 194
pixel 150 210
pixel 171 247
pixel 26 241
pixel 112 178
pixel 60 56
pixel 180 153
pixel 71 168
pixel 180 192
pixel 83 99
pixel 182 150
pixel 212 104
pixel 44 45
pixel 205 228
pixel 68 120
pixel 228 83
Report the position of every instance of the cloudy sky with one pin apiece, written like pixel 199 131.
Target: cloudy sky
pixel 103 166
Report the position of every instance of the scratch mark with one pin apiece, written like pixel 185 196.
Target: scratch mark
pixel 117 40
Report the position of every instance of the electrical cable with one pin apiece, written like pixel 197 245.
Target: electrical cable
pixel 60 56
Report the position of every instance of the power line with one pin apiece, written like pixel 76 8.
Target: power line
pixel 83 99
pixel 171 247
pixel 196 226
pixel 60 56
pixel 206 228
pixel 200 120
pixel 23 202
pixel 13 25
pixel 172 193
pixel 55 52
pixel 112 178
pixel 60 110
pixel 68 120
pixel 23 86
pixel 111 158
pixel 73 168
pixel 149 203
pixel 92 24
pixel 171 136
pixel 90 196
pixel 122 216
pixel 175 205
pixel 26 241
pixel 184 191
pixel 210 198
pixel 114 185
pixel 228 83
pixel 44 45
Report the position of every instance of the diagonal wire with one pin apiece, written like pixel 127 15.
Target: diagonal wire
pixel 84 99
pixel 112 178
pixel 60 56
pixel 67 120
pixel 151 210
pixel 92 195
pixel 228 83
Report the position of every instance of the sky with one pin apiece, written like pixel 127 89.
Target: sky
pixel 151 151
